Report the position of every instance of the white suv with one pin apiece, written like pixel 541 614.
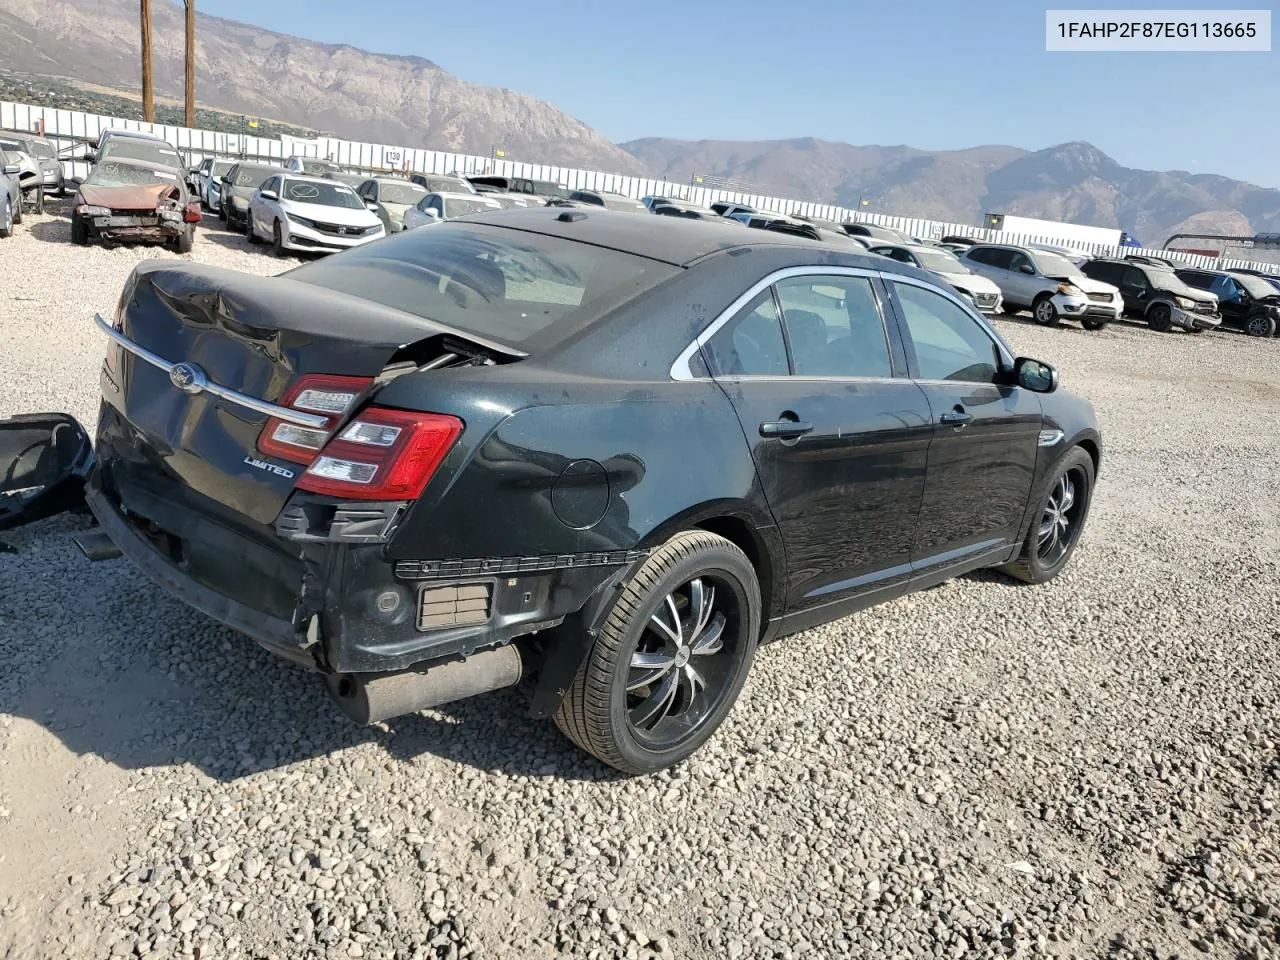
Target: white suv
pixel 1050 286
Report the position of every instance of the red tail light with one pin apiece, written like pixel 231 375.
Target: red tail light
pixel 192 214
pixel 329 396
pixel 382 454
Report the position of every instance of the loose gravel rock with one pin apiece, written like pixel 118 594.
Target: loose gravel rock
pixel 1087 768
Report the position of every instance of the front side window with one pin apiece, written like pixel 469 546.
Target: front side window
pixel 751 344
pixel 949 343
pixel 1017 261
pixel 834 326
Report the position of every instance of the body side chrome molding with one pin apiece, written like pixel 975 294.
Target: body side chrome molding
pixel 191 379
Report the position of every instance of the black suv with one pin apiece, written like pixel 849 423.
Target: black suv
pixel 1246 301
pixel 1153 292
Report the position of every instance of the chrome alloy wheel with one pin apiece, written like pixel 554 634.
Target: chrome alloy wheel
pixel 684 662
pixel 1059 524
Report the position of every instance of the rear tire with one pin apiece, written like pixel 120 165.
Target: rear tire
pixel 248 230
pixel 40 201
pixel 1044 312
pixel 182 242
pixel 671 658
pixel 1259 325
pixel 1160 317
pixel 1055 529
pixel 6 218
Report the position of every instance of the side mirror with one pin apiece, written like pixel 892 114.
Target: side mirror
pixel 87 155
pixel 431 213
pixel 44 458
pixel 1027 268
pixel 269 195
pixel 11 169
pixel 371 206
pixel 1035 375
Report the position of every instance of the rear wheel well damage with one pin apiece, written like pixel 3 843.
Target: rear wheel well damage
pixel 561 651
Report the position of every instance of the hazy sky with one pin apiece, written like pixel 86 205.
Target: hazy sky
pixel 937 74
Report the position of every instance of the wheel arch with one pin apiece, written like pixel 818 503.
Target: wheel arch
pixel 743 526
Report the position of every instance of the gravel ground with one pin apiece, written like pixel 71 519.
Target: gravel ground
pixel 1084 769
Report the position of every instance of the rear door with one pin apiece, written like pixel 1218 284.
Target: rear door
pixel 993 263
pixel 839 434
pixel 982 458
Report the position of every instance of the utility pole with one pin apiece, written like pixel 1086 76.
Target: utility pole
pixel 148 101
pixel 191 63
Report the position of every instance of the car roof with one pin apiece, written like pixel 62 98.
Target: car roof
pixel 451 195
pixel 675 240
pixel 251 165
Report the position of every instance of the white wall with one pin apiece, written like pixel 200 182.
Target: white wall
pixel 67 125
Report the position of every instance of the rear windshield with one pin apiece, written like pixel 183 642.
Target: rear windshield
pixel 222 166
pixel 146 150
pixel 518 288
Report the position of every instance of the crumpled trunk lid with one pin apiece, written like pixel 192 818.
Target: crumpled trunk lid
pixel 251 334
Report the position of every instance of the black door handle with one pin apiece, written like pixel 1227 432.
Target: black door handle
pixel 785 428
pixel 956 417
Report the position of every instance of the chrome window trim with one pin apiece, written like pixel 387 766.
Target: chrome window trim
pixel 967 308
pixel 680 368
pixel 208 386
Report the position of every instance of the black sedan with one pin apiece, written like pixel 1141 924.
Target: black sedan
pixel 612 452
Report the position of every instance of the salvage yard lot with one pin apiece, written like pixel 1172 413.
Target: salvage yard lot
pixel 1087 768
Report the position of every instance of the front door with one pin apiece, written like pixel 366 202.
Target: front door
pixel 839 442
pixel 982 459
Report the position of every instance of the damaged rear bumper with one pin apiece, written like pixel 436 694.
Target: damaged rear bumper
pixel 318 588
pixel 279 635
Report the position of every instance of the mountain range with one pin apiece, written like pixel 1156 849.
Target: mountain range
pixel 411 101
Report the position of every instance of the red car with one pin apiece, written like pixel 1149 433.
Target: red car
pixel 134 200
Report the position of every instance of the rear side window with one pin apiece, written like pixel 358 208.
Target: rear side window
pixel 834 326
pixel 751 344
pixel 518 288
pixel 1106 272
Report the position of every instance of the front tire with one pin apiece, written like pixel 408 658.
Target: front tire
pixel 79 231
pixel 1160 317
pixel 671 658
pixel 249 232
pixel 1059 520
pixel 1045 313
pixel 1259 325
pixel 40 201
pixel 1093 323
pixel 6 218
pixel 277 241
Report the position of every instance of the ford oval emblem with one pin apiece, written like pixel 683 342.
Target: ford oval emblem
pixel 187 377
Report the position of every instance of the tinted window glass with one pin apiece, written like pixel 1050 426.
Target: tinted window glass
pixel 751 343
pixel 949 344
pixel 1016 261
pixel 1135 277
pixel 509 285
pixel 1106 272
pixel 834 326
